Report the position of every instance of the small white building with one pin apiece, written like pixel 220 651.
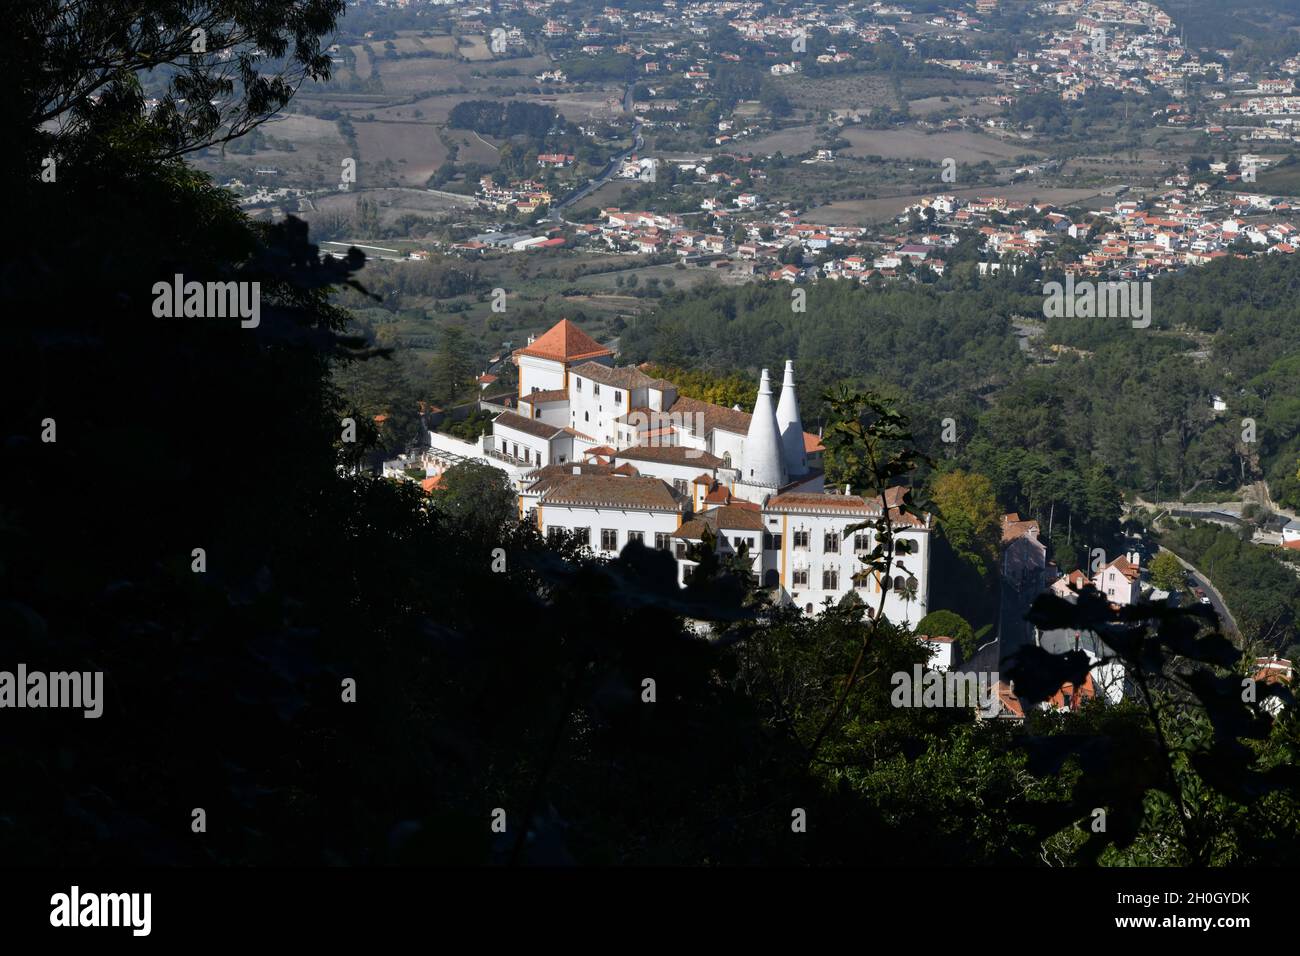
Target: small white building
pixel 606 512
pixel 1119 582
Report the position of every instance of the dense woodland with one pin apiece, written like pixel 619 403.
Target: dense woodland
pixel 1135 404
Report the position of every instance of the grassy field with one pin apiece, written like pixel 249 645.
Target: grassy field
pixel 393 204
pixel 1283 181
pixel 964 146
pixel 361 67
pixel 794 141
pixel 400 120
pixel 965 105
pixel 868 90
pixel 610 194
pixel 406 153
pixel 878 210
pixel 474 48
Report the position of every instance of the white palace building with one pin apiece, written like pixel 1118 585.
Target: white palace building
pixel 614 455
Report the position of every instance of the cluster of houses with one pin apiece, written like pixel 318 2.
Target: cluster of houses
pixel 523 196
pixel 1176 229
pixel 1120 582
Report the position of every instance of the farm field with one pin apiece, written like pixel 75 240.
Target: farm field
pixel 794 141
pixel 966 105
pixel 411 151
pixel 392 205
pixel 305 151
pixel 474 48
pixel 610 194
pixel 865 91
pixel 964 146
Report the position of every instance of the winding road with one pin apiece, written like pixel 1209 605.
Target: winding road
pixel 610 169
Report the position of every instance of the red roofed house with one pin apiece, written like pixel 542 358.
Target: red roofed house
pixel 545 361
pixel 1119 581
pixel 1024 557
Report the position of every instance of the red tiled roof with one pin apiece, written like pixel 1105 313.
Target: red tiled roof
pixel 670 455
pixel 1013 527
pixel 564 342
pixel 613 491
pixel 1122 565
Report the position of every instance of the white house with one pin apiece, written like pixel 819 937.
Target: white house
pixel 606 512
pixel 810 555
pixel 1119 581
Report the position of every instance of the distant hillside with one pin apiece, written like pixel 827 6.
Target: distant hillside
pixel 1218 22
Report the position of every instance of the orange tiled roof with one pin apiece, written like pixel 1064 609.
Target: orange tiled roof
pixel 564 342
pixel 1013 527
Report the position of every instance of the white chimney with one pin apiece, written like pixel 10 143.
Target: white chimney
pixel 790 425
pixel 764 463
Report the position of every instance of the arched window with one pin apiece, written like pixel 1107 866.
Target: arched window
pixel 898 583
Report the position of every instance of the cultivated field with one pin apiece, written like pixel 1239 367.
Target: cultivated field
pixel 392 204
pixel 965 105
pixel 475 48
pixel 409 152
pixel 610 194
pixel 964 146
pixel 305 151
pixel 864 91
pixel 794 141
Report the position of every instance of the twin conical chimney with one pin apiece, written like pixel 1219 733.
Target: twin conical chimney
pixel 790 426
pixel 764 463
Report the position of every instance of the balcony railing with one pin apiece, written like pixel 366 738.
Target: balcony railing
pixel 510 459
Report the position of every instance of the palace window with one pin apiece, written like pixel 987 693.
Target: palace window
pixel 582 536
pixel 661 540
pixel 637 536
pixel 801 540
pixel 831 579
pixel 831 542
pixel 801 577
pixel 608 539
pixel 771 542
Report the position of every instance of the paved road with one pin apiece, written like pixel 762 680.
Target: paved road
pixel 1256 494
pixel 556 212
pixel 1198 579
pixel 1014 632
